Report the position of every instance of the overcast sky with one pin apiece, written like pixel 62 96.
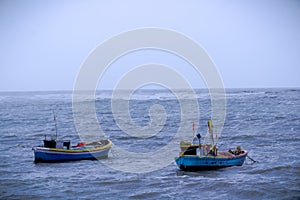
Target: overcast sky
pixel 44 43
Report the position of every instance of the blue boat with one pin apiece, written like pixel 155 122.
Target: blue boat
pixel 195 157
pixel 60 151
pixel 189 160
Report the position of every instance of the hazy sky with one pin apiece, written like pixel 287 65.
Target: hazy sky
pixel 253 43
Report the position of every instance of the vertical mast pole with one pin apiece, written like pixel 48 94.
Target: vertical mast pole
pixel 210 130
pixel 54 119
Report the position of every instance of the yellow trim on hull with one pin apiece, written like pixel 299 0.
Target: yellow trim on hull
pixel 81 150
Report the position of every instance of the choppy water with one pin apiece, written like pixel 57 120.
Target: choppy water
pixel 266 122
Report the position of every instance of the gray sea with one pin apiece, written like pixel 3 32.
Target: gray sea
pixel 266 122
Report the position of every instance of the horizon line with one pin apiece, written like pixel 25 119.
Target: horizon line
pixel 226 88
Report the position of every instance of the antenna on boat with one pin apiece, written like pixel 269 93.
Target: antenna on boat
pixel 54 119
pixel 193 125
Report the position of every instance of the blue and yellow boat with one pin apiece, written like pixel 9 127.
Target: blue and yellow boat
pixel 192 159
pixel 195 157
pixel 60 151
pixel 54 150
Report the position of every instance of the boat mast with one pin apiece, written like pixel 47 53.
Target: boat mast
pixel 54 119
pixel 193 125
pixel 210 130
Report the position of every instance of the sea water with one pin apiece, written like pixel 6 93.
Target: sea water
pixel 266 122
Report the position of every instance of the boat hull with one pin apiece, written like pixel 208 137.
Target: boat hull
pixel 197 163
pixel 43 154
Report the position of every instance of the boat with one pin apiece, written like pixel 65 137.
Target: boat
pixel 196 157
pixel 54 150
pixel 61 150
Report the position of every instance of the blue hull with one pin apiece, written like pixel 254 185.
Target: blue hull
pixel 85 151
pixel 196 163
pixel 56 156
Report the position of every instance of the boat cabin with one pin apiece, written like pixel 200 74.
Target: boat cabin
pixel 194 149
pixel 59 144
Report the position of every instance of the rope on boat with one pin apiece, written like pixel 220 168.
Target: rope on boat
pixel 254 161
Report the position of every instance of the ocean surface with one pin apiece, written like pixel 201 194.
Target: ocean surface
pixel 266 122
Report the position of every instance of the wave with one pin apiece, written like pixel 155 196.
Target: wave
pixel 144 195
pixel 274 169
